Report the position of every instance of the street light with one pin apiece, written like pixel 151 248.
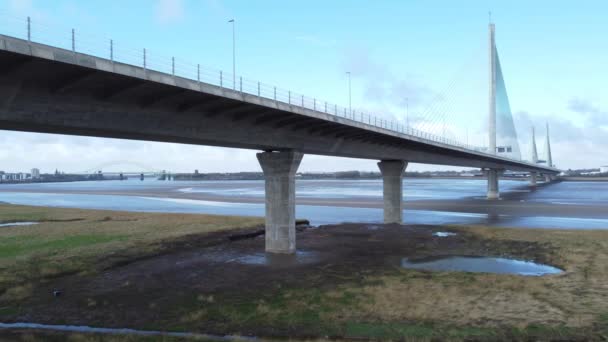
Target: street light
pixel 407 112
pixel 350 102
pixel 233 55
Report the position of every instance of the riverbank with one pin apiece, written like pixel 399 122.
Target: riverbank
pixel 189 273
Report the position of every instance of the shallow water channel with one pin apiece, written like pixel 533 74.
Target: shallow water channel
pixel 121 331
pixel 11 224
pixel 480 264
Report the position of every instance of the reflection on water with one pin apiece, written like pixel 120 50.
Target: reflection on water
pixel 230 256
pixel 576 193
pixel 414 188
pixel 443 234
pixel 480 264
pixel 121 331
pixel 12 224
pixel 317 215
pixel 270 259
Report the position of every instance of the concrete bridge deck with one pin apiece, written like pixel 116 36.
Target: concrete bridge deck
pixel 47 89
pixel 52 90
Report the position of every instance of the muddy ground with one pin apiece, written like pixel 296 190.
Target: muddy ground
pixel 149 293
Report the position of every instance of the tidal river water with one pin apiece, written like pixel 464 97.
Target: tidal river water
pixel 578 205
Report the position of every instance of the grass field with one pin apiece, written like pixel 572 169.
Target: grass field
pixel 386 304
pixel 68 241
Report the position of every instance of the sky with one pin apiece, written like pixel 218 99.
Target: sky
pixel 426 61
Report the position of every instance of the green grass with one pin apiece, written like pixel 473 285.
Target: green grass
pixel 11 213
pixel 388 330
pixel 6 311
pixel 18 246
pixel 86 241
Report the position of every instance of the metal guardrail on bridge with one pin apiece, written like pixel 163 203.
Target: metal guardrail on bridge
pixel 71 39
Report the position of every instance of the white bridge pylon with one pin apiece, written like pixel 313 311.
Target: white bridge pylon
pixel 502 135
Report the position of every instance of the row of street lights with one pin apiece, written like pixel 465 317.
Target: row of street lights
pixel 350 99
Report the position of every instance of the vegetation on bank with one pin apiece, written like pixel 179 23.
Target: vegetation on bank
pixel 70 241
pixel 386 304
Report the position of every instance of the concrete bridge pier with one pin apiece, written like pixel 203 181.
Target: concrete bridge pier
pixel 548 178
pixel 533 177
pixel 392 180
pixel 493 189
pixel 279 178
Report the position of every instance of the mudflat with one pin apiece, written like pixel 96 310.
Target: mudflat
pixel 200 273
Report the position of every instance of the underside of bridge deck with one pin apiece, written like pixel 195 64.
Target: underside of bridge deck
pixel 46 89
pixel 50 90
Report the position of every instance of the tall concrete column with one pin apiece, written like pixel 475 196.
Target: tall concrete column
pixel 493 190
pixel 392 180
pixel 533 176
pixel 279 175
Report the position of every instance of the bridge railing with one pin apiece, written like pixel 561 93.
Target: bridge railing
pixel 76 41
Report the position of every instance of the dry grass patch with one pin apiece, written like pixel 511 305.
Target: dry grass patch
pixel 576 298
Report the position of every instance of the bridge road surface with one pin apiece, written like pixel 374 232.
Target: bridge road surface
pixel 51 90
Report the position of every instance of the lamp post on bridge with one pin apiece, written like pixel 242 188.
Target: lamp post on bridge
pixel 350 103
pixel 233 54
pixel 407 113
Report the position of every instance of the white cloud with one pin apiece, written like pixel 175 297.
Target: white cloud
pixel 169 11
pixel 577 141
pixel 20 6
pixel 23 8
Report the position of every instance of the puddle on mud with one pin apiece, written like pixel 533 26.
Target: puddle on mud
pixel 269 259
pixel 480 264
pixel 122 331
pixel 222 256
pixel 443 234
pixel 11 224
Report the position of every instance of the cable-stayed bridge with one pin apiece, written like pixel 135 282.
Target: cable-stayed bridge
pixel 49 86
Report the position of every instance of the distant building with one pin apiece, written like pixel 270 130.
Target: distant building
pixel 590 173
pixel 35 173
pixel 604 169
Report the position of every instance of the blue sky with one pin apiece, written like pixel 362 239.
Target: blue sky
pixel 434 53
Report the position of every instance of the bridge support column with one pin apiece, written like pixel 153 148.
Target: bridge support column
pixel 547 178
pixel 279 175
pixel 533 176
pixel 392 180
pixel 493 190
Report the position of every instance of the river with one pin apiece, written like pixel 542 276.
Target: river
pixel 579 205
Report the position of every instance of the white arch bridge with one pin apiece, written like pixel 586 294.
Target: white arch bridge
pixel 125 168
